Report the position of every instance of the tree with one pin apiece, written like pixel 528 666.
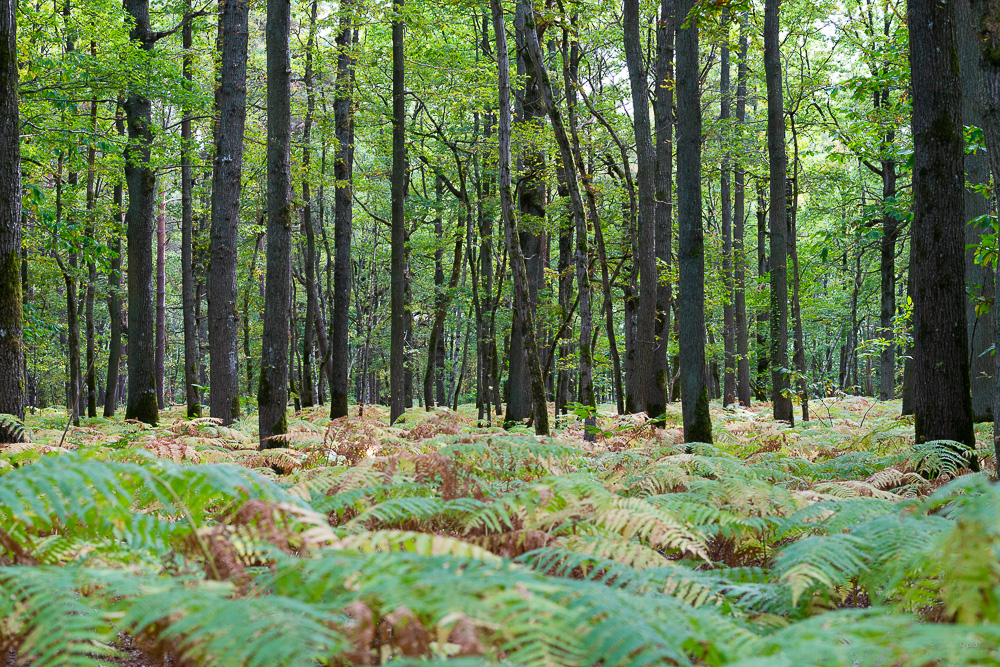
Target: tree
pixel 230 105
pixel 191 394
pixel 728 312
pixel 740 215
pixel 691 250
pixel 664 103
pixel 397 344
pixel 272 392
pixel 343 214
pixel 778 221
pixel 942 400
pixel 648 397
pixel 11 341
pixel 519 274
pixel 140 176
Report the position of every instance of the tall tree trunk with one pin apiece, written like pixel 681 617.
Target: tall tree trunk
pixel 691 252
pixel 141 403
pixel 728 312
pixel 343 212
pixel 397 343
pixel 648 397
pixel 986 14
pixel 664 188
pixel 191 379
pixel 91 358
pixel 307 391
pixel 519 274
pixel 740 214
pixel 579 215
pixel 799 355
pixel 763 316
pixel 272 393
pixel 111 394
pixel 778 214
pixel 943 400
pixel 529 113
pixel 161 294
pixel 11 336
pixel 978 278
pixel 230 104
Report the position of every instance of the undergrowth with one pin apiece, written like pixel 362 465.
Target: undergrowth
pixel 837 542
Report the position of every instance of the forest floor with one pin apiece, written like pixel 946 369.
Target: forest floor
pixel 836 541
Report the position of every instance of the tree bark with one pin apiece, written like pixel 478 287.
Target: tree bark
pixel 308 392
pixel 519 274
pixel 728 311
pixel 91 358
pixel 11 327
pixel 272 392
pixel 161 296
pixel 343 214
pixel 188 306
pixel 782 404
pixel 230 104
pixel 664 189
pixel 942 400
pixel 397 344
pixel 648 397
pixel 141 403
pixel 740 214
pixel 111 394
pixel 978 278
pixel 691 252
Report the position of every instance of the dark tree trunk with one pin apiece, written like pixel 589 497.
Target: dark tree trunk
pixel 188 307
pixel 11 336
pixel 91 358
pixel 648 397
pixel 799 355
pixel 141 403
pixel 978 278
pixel 308 391
pixel 111 393
pixel 230 104
pixel 942 400
pixel 763 316
pixel 519 274
pixel 728 312
pixel 986 14
pixel 579 215
pixel 778 215
pixel 908 393
pixel 343 212
pixel 529 113
pixel 740 215
pixel 397 344
pixel 691 252
pixel 272 393
pixel 664 187
pixel 161 296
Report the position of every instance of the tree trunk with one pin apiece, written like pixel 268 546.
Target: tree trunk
pixel 397 344
pixel 111 393
pixel 763 316
pixel 11 336
pixel 664 188
pixel 91 358
pixel 520 277
pixel 978 278
pixel 728 312
pixel 986 14
pixel 307 393
pixel 230 104
pixel 778 218
pixel 161 295
pixel 739 247
pixel 272 393
pixel 691 252
pixel 942 400
pixel 343 213
pixel 191 396
pixel 648 397
pixel 141 403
